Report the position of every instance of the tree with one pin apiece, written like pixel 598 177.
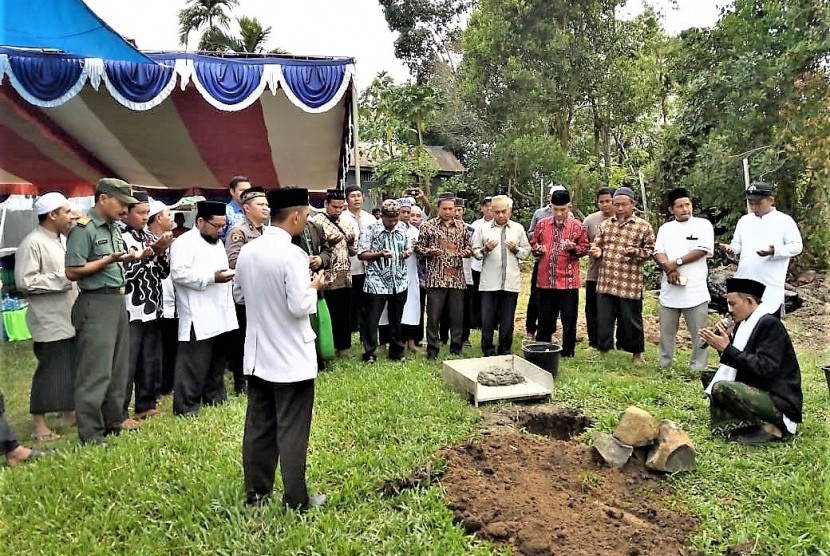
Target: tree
pixel 755 86
pixel 565 91
pixel 252 38
pixel 203 13
pixel 394 119
pixel 428 32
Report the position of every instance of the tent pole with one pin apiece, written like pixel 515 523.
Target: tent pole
pixel 3 224
pixel 356 136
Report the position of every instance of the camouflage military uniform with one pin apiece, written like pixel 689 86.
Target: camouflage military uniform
pixel 736 406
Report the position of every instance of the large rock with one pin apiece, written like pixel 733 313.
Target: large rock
pixel 614 452
pixel 716 280
pixel 673 452
pixel 637 427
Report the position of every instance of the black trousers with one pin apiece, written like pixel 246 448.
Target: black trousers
pixel 8 442
pixel 439 301
pixel 532 304
pixel 466 323
pixel 145 366
pixel 200 370
pixel 277 426
pixel 340 306
pixel 552 305
pixel 627 314
pixel 236 348
pixel 476 319
pixel 591 311
pixel 170 345
pixel 394 309
pixel 357 310
pixel 498 306
pixel 383 333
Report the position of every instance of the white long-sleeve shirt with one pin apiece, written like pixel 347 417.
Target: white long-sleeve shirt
pixel 476 263
pixel 755 233
pixel 272 278
pixel 359 223
pixel 500 269
pixel 201 302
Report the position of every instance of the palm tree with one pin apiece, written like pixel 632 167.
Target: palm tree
pixel 200 13
pixel 252 38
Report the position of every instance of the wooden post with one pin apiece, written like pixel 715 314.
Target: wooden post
pixel 356 135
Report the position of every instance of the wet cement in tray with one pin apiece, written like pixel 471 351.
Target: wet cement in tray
pixel 546 495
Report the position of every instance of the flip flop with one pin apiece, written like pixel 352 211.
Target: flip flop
pixel 50 436
pixel 37 454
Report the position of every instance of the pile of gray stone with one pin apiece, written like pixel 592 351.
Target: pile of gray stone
pixel 499 376
pixel 664 446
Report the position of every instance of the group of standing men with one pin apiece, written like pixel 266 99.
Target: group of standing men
pixel 756 393
pixel 104 292
pixel 618 244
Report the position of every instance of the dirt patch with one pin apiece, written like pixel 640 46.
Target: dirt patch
pixel 544 496
pixel 813 317
pixel 562 423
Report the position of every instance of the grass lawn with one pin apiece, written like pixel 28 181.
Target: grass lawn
pixel 175 487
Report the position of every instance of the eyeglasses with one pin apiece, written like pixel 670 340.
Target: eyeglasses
pixel 215 225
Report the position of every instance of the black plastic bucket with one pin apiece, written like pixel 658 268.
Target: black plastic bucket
pixel 544 355
pixel 826 369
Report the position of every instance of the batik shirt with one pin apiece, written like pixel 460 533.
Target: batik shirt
pixel 621 275
pixel 447 269
pixel 558 267
pixel 338 275
pixel 143 291
pixel 385 276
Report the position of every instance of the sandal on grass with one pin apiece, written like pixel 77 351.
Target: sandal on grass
pixel 35 454
pixel 50 436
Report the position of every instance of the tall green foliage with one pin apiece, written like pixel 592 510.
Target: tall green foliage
pixel 428 32
pixel 203 13
pixel 755 86
pixel 566 91
pixel 394 119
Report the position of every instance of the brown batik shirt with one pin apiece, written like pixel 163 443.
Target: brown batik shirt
pixel 447 269
pixel 621 275
pixel 338 275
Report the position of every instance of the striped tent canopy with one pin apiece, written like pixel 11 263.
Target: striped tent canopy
pixel 182 121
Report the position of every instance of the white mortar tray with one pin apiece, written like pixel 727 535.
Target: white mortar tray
pixel 461 374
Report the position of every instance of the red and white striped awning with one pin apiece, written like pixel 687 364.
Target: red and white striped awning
pixel 290 124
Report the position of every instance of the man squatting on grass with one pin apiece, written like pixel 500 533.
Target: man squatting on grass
pixel 755 396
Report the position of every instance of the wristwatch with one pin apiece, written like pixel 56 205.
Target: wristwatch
pixel 679 262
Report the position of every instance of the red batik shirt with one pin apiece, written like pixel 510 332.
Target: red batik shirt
pixel 558 267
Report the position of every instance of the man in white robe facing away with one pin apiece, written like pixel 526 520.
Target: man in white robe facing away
pixel 280 357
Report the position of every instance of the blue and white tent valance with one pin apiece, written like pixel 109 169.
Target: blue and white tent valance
pixel 48 80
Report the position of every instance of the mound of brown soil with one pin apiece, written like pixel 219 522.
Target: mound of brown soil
pixel 543 496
